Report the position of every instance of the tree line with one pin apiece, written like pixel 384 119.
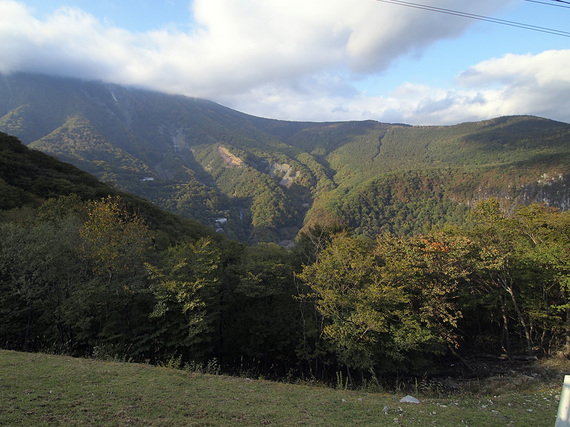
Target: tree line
pixel 92 278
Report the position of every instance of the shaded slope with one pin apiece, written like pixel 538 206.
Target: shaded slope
pixel 29 177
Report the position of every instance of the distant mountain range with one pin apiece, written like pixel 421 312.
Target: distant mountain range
pixel 258 179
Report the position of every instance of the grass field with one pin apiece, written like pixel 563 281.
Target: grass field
pixel 39 389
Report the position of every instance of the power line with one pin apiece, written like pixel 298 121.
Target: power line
pixel 565 5
pixel 478 17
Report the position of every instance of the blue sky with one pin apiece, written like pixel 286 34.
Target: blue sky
pixel 136 16
pixel 322 60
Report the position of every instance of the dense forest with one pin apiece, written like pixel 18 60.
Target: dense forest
pixel 88 271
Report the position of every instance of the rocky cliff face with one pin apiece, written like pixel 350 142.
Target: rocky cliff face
pixel 285 172
pixel 551 191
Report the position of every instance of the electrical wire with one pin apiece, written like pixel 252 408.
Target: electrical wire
pixel 478 17
pixel 565 5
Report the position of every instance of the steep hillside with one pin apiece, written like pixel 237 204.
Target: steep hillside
pixel 29 177
pixel 263 180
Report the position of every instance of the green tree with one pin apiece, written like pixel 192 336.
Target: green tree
pixel 261 317
pixel 546 234
pixel 353 296
pixel 110 308
pixel 392 303
pixel 500 264
pixel 186 289
pixel 431 270
pixel 40 267
pixel 115 240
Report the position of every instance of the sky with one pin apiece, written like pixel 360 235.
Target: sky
pixel 308 60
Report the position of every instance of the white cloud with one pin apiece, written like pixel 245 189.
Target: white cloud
pixel 70 43
pixel 238 44
pixel 290 60
pixel 513 84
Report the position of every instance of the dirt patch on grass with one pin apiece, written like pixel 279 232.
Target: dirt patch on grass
pixel 492 374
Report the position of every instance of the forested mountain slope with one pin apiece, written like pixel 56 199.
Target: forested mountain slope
pixel 89 271
pixel 262 180
pixel 29 178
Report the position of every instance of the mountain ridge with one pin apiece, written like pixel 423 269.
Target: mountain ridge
pixel 283 176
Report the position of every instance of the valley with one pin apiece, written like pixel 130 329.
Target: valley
pixel 271 179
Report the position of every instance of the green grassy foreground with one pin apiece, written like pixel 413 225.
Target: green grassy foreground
pixel 39 389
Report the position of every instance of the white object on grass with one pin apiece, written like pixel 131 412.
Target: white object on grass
pixel 563 417
pixel 409 399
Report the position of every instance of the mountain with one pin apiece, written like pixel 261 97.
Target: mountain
pixel 259 179
pixel 29 177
